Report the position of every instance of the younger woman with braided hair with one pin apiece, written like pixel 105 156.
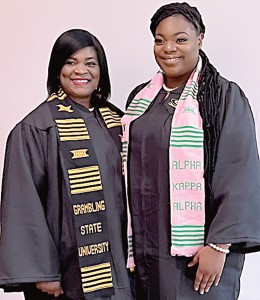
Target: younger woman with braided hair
pixel 192 170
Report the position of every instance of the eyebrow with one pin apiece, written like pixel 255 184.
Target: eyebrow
pixel 88 58
pixel 177 33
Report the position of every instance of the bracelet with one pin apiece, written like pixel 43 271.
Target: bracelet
pixel 215 247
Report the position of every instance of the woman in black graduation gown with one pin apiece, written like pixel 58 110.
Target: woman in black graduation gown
pixel 230 227
pixel 63 210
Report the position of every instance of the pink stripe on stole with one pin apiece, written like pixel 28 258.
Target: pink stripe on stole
pixel 188 199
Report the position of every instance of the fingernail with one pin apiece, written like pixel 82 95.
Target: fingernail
pixel 201 292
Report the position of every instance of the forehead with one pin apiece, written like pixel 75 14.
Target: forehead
pixel 86 52
pixel 174 24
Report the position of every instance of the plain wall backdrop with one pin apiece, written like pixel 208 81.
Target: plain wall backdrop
pixel 29 28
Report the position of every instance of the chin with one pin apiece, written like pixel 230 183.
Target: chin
pixel 171 75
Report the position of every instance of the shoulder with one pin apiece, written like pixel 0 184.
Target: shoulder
pixel 104 103
pixel 232 101
pixel 135 91
pixel 229 88
pixel 115 109
pixel 34 127
pixel 40 117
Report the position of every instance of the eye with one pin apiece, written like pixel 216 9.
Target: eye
pixel 70 62
pixel 91 63
pixel 181 40
pixel 158 42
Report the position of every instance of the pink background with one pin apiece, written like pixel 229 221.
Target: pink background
pixel 28 29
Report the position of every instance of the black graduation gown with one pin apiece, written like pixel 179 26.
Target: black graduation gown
pixel 235 184
pixel 38 241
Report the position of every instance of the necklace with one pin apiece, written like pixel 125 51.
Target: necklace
pixel 168 89
pixel 172 102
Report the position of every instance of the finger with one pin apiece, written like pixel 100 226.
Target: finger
pixel 197 281
pixel 209 283
pixel 194 261
pixel 50 292
pixel 217 279
pixel 39 285
pixel 57 293
pixel 203 284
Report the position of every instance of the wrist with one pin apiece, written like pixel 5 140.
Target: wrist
pixel 222 248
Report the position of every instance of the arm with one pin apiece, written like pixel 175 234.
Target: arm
pixel 27 250
pixel 235 185
pixel 236 180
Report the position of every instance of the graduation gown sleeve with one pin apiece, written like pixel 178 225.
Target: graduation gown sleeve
pixel 236 180
pixel 27 250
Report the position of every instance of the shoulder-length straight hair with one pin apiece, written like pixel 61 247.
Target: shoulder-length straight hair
pixel 67 44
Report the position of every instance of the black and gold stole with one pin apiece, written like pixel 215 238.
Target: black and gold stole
pixel 87 197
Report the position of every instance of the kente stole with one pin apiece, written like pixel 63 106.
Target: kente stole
pixel 86 193
pixel 186 165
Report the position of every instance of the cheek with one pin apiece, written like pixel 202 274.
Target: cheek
pixel 156 51
pixel 193 53
pixel 64 83
pixel 61 80
pixel 97 76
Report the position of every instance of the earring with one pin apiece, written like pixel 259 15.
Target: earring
pixel 98 92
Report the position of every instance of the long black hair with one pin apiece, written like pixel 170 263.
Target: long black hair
pixel 208 88
pixel 67 44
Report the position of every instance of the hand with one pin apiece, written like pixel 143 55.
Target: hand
pixel 210 267
pixel 52 288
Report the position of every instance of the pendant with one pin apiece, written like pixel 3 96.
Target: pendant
pixel 173 102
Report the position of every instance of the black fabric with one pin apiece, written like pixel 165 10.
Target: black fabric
pixel 235 185
pixel 93 244
pixel 32 293
pixel 38 240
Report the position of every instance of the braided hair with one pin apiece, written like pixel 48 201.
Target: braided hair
pixel 207 92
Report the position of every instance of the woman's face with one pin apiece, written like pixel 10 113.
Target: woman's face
pixel 80 75
pixel 176 49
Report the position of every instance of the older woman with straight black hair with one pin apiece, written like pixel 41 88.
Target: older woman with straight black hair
pixel 63 208
pixel 192 170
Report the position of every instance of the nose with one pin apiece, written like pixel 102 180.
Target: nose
pixel 80 69
pixel 170 46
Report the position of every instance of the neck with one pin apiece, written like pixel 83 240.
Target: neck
pixel 84 102
pixel 169 89
pixel 174 84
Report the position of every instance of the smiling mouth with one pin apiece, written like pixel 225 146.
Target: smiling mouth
pixel 80 80
pixel 172 60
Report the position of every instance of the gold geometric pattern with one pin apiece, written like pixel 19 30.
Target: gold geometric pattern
pixel 60 95
pixel 65 108
pixel 96 277
pixel 72 129
pixel 85 180
pixel 110 117
pixel 79 153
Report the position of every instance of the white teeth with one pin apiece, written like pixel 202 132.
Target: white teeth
pixel 81 80
pixel 172 59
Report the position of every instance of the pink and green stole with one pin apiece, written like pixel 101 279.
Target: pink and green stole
pixel 186 165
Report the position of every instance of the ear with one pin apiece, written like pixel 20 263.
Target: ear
pixel 200 40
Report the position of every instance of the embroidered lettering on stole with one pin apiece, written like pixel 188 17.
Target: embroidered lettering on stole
pixel 87 197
